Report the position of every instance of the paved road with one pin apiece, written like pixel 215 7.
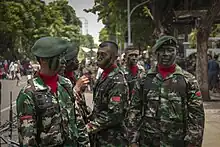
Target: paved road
pixel 7 87
pixel 212 110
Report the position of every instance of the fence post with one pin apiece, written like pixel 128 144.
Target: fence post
pixel 11 116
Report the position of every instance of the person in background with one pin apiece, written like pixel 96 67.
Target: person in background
pixel 12 70
pixel 213 72
pixel 17 71
pixel 131 70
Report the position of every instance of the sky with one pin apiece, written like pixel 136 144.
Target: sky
pixel 94 27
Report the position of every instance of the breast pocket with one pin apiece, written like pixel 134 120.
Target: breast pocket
pixel 175 107
pixel 43 100
pixel 152 103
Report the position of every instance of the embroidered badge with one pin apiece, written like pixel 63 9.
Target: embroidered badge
pixel 27 117
pixel 116 99
pixel 198 93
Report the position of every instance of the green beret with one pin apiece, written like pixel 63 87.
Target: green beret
pixel 164 40
pixel 71 52
pixel 47 47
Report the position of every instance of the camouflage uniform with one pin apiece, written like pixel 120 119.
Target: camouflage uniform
pixel 131 79
pixel 81 109
pixel 163 114
pixel 46 117
pixel 166 110
pixel 110 96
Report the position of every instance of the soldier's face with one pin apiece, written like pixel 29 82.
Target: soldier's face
pixel 62 67
pixel 104 57
pixel 132 57
pixel 166 55
pixel 72 64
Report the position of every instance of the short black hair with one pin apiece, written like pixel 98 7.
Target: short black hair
pixel 110 44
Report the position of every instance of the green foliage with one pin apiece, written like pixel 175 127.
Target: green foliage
pixel 113 14
pixel 103 34
pixel 87 41
pixel 23 22
pixel 215 31
pixel 193 38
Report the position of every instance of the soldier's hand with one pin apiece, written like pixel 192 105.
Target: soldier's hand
pixel 133 145
pixel 90 127
pixel 82 82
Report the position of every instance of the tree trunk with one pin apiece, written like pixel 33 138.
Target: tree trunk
pixel 204 26
pixel 202 62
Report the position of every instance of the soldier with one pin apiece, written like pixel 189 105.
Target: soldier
pixel 131 70
pixel 72 63
pixel 110 95
pixel 166 108
pixel 46 115
pixel 82 111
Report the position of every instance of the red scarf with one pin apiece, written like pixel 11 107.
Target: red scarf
pixel 165 71
pixel 70 76
pixel 50 81
pixel 107 71
pixel 134 70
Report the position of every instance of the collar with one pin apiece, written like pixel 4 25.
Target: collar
pixel 106 71
pixel 166 69
pixel 39 83
pixel 178 70
pixel 134 70
pixel 69 74
pixel 48 79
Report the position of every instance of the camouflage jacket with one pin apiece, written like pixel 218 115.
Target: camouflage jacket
pixel 131 79
pixel 166 112
pixel 110 100
pixel 82 114
pixel 46 119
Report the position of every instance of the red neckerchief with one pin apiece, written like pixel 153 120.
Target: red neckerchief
pixel 165 71
pixel 134 70
pixel 107 71
pixel 70 76
pixel 50 81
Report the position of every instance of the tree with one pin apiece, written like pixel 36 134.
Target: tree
pixel 87 41
pixel 23 22
pixel 18 22
pixel 103 34
pixel 65 24
pixel 204 27
pixel 116 11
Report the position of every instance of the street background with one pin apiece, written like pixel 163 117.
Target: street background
pixel 212 111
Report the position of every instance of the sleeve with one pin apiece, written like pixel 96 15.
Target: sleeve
pixel 133 118
pixel 83 136
pixel 27 128
pixel 196 116
pixel 115 112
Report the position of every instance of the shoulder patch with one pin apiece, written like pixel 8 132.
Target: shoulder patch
pixel 116 99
